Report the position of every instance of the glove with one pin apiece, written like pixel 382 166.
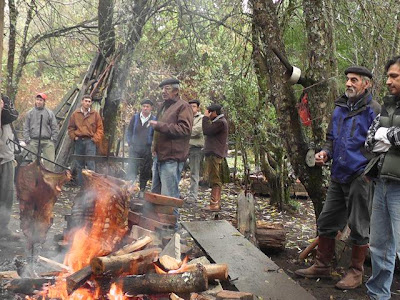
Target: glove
pixel 381 135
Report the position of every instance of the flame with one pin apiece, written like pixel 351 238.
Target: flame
pixel 116 293
pixel 183 268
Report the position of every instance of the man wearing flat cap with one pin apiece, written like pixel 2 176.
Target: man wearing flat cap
pixel 196 144
pixel 348 197
pixel 49 131
pixel 140 139
pixel 215 129
pixel 171 139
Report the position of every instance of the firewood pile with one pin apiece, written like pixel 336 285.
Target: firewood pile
pixel 101 264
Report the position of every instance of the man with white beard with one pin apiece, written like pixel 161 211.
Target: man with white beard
pixel 348 197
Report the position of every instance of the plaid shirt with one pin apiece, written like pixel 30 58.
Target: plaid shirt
pixel 393 134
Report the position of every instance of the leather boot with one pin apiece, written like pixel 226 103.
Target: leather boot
pixel 322 265
pixel 354 275
pixel 215 201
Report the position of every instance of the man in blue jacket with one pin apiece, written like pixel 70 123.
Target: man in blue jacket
pixel 140 138
pixel 347 200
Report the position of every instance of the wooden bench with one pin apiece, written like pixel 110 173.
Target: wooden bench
pixel 250 270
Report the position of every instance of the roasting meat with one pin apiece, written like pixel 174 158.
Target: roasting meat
pixel 37 191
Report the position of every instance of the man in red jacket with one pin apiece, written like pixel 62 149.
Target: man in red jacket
pixel 215 129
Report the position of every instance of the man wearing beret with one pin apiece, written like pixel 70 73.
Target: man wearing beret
pixel 215 129
pixel 171 139
pixel 384 141
pixel 195 152
pixel 347 200
pixel 49 131
pixel 140 138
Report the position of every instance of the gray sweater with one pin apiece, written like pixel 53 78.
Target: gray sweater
pixel 32 125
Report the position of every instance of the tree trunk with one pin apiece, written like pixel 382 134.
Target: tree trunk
pixel 13 14
pixel 2 5
pixel 106 29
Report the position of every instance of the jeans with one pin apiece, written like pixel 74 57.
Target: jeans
pixel 195 159
pixel 47 151
pixel 140 166
pixel 347 203
pixel 6 193
pixel 385 237
pixel 84 147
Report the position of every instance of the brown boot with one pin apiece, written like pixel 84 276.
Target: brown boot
pixel 354 276
pixel 322 265
pixel 215 201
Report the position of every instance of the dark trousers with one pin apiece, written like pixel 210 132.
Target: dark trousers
pixel 6 193
pixel 140 164
pixel 84 147
pixel 350 204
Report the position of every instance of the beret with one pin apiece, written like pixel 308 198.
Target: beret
pixel 359 70
pixel 41 95
pixel 194 101
pixel 169 81
pixel 214 107
pixel 147 101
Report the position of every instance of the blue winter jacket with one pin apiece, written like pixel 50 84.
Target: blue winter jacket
pixel 131 132
pixel 346 136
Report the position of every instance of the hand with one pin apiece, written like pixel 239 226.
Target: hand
pixel 1 104
pixel 321 158
pixel 152 123
pixel 76 138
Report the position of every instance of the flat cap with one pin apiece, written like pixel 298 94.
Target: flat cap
pixel 169 81
pixel 41 95
pixel 147 101
pixel 359 70
pixel 194 101
pixel 214 107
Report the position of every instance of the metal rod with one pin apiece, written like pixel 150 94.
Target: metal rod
pixel 39 143
pixel 39 156
pixel 283 60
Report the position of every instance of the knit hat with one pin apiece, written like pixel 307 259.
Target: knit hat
pixel 42 95
pixel 363 71
pixel 215 107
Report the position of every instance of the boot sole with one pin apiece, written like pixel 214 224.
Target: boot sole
pixel 313 276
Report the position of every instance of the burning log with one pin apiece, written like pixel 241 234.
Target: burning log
pixel 163 200
pixel 139 244
pixel 169 263
pixel 187 282
pixel 28 286
pixel 77 279
pixel 232 295
pixel 132 263
pixel 214 271
pixel 37 191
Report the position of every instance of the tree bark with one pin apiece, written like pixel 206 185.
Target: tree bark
pixel 106 29
pixel 13 14
pixel 2 5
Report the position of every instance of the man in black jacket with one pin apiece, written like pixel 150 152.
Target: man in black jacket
pixel 215 129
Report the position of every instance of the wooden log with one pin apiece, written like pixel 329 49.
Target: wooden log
pixel 303 255
pixel 139 244
pixel 54 264
pixel 270 236
pixel 162 209
pixel 132 263
pixel 28 286
pixel 214 271
pixel 77 279
pixel 137 232
pixel 139 219
pixel 162 199
pixel 187 282
pixel 232 295
pixel 169 263
pixel 163 218
pixel 9 274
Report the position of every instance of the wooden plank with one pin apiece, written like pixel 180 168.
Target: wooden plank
pixel 162 199
pixel 250 269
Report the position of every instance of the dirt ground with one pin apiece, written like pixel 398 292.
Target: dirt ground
pixel 299 225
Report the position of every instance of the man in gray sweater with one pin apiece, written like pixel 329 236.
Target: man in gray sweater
pixel 49 130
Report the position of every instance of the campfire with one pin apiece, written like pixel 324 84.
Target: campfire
pixel 98 265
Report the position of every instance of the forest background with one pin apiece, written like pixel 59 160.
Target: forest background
pixel 222 51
